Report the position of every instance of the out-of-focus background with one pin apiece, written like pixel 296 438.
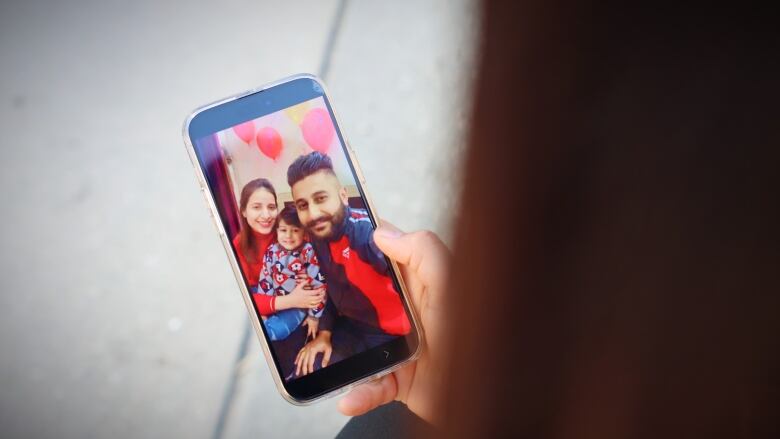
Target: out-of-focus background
pixel 119 315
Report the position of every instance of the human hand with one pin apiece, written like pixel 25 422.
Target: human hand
pixel 304 362
pixel 312 323
pixel 424 263
pixel 301 297
pixel 302 278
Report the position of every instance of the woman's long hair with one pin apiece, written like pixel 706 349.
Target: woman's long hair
pixel 616 262
pixel 247 242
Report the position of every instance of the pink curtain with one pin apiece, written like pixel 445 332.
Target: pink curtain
pixel 218 178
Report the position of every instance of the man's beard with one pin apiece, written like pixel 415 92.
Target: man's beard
pixel 335 221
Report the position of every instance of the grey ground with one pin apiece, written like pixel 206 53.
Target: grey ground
pixel 119 316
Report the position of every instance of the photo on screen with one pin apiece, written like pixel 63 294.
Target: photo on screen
pixel 291 206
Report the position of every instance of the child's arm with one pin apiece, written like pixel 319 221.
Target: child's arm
pixel 312 324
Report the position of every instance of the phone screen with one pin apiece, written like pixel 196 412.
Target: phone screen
pixel 295 214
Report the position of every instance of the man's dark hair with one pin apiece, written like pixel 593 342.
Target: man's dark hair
pixel 307 165
pixel 290 216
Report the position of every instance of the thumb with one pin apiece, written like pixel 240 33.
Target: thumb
pixel 422 252
pixel 389 239
pixel 368 396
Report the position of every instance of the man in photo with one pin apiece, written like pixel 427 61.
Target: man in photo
pixel 364 309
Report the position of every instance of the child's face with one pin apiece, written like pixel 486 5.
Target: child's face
pixel 289 236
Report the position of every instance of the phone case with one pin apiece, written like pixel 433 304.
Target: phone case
pixel 234 264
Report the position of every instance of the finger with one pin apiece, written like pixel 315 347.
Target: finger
pixel 310 364
pixel 299 362
pixel 422 252
pixel 315 292
pixel 305 362
pixel 302 364
pixel 368 396
pixel 326 357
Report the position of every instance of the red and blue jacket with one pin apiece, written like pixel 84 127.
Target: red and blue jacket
pixel 359 284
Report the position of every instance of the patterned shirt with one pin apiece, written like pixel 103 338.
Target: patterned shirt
pixel 280 268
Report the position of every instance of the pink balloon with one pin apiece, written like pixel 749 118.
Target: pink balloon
pixel 245 131
pixel 318 129
pixel 270 142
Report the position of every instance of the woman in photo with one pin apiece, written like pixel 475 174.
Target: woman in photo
pixel 258 214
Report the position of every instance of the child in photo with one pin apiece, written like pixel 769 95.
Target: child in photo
pixel 287 262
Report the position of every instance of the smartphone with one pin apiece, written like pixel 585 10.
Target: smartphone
pixel 290 206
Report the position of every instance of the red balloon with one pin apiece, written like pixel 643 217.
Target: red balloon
pixel 318 129
pixel 270 142
pixel 245 131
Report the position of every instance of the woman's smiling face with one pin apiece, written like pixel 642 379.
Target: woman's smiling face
pixel 261 211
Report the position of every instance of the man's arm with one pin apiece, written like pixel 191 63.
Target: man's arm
pixel 328 317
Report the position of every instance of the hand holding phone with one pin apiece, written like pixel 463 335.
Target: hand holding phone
pixel 424 262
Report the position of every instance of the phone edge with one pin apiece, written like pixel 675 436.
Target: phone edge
pixel 246 296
